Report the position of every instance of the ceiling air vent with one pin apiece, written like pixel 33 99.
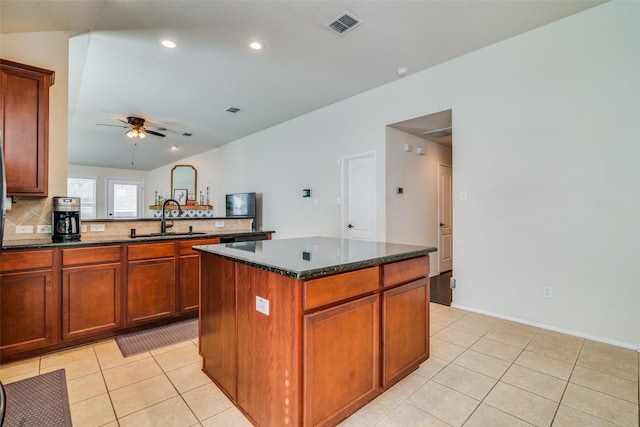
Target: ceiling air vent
pixel 232 109
pixel 344 23
pixel 438 133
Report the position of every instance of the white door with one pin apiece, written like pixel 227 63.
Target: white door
pixel 359 196
pixel 446 221
pixel 124 198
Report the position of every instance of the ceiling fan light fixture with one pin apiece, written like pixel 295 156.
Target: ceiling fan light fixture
pixel 255 45
pixel 135 132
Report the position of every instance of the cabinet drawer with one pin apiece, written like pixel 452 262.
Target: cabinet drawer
pixel 78 256
pixel 186 245
pixel 150 251
pixel 326 290
pixel 405 271
pixel 30 260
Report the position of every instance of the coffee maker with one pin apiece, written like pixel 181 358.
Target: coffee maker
pixel 66 219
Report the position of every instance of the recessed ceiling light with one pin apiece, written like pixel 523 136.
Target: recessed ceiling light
pixel 174 147
pixel 168 43
pixel 255 45
pixel 402 71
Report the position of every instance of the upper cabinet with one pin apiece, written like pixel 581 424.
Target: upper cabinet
pixel 24 123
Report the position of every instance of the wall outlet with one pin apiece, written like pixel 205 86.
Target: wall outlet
pixel 24 229
pixel 44 229
pixel 548 292
pixel 97 227
pixel 452 283
pixel 262 305
pixel 219 224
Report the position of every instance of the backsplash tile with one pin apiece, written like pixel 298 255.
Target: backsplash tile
pixel 34 211
pixel 31 211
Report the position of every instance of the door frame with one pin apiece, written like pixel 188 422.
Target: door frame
pixel 440 217
pixel 344 214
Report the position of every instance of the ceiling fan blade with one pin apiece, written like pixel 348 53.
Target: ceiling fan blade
pixel 125 122
pixel 118 126
pixel 152 132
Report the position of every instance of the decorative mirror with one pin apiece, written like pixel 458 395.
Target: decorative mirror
pixel 183 183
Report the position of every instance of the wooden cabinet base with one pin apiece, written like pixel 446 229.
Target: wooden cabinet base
pixel 90 300
pixel 310 353
pixel 28 311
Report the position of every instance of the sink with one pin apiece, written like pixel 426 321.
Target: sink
pixel 167 234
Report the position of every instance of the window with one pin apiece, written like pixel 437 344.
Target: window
pixel 85 188
pixel 124 198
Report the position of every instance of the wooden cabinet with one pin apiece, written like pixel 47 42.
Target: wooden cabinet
pixel 341 360
pixel 405 318
pixel 151 282
pixel 311 352
pixel 218 325
pixel 29 307
pixel 189 274
pixel 24 124
pixel 91 282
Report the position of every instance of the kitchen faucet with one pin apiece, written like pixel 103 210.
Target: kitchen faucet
pixel 163 222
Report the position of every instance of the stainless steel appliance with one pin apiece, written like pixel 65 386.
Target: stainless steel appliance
pixel 66 219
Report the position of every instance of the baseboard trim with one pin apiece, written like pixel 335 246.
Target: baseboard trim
pixel 579 334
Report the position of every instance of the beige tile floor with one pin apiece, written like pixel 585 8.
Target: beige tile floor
pixel 483 371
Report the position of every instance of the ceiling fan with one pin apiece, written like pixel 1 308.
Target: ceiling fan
pixel 136 128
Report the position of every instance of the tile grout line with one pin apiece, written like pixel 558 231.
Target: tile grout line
pixel 499 379
pixel 176 389
pixel 104 380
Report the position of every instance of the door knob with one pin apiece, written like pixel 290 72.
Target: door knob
pixel 442 224
pixel 350 226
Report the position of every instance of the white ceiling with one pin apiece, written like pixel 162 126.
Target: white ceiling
pixel 118 67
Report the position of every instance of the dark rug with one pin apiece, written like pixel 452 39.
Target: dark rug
pixel 143 341
pixel 40 401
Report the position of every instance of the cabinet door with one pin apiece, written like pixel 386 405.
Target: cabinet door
pixel 189 266
pixel 151 291
pixel 405 320
pixel 341 360
pixel 90 300
pixel 28 311
pixel 189 273
pixel 24 112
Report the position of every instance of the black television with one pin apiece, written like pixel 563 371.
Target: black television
pixel 241 204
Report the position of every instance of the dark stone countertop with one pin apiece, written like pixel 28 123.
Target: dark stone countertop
pixel 43 243
pixel 312 257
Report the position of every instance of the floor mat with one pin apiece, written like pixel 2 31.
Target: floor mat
pixel 38 401
pixel 140 342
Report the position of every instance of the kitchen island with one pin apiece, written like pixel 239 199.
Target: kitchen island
pixel 304 332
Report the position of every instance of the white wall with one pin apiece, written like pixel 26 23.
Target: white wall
pixel 413 215
pixel 101 175
pixel 546 132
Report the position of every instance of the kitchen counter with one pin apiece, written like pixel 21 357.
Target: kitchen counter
pixel 107 240
pixel 311 257
pixel 304 332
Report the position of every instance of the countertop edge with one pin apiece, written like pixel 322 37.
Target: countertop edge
pixel 110 240
pixel 327 271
